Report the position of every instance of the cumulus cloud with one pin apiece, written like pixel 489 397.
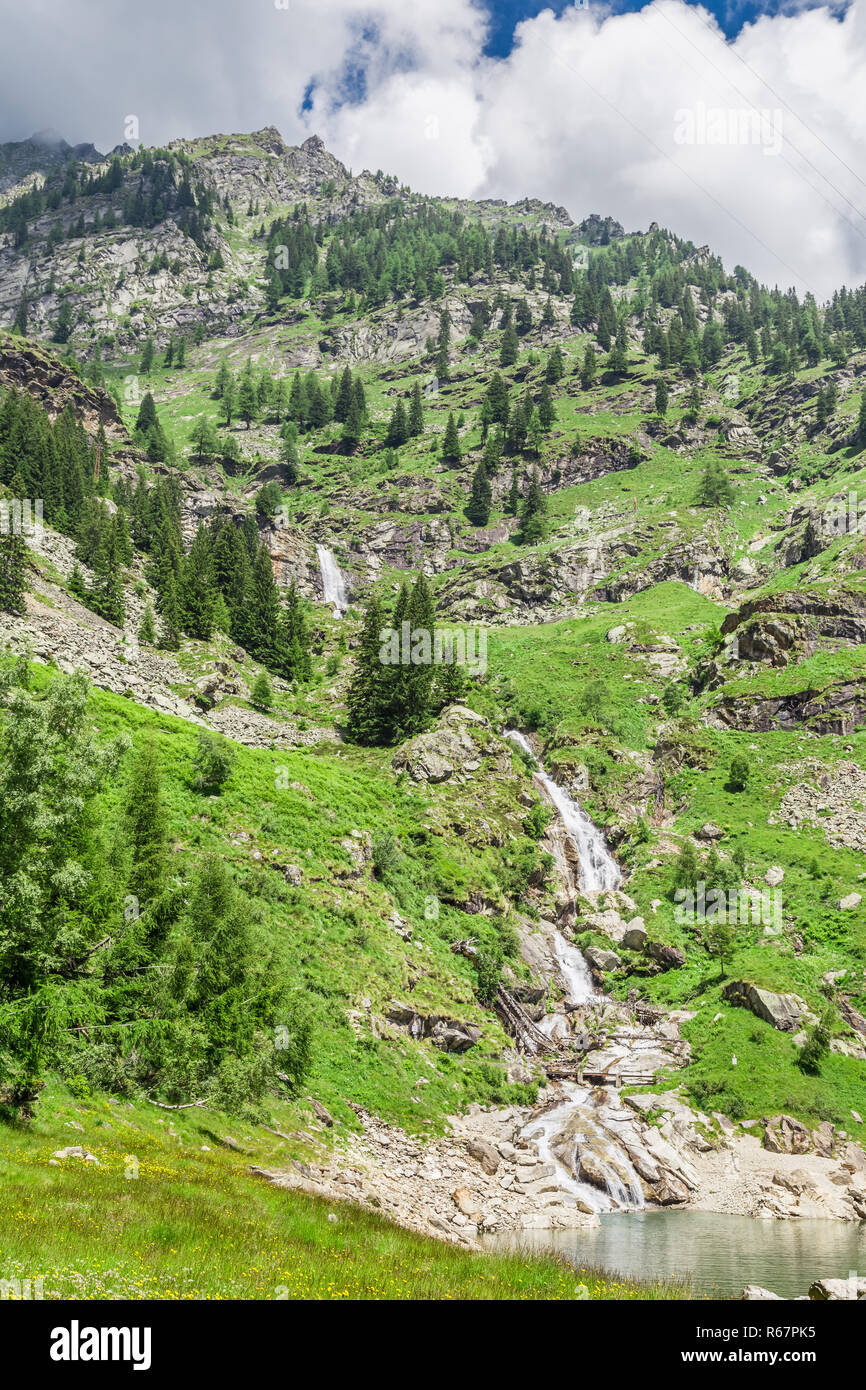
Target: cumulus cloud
pixel 647 115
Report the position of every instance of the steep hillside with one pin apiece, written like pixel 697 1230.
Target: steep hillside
pixel 273 407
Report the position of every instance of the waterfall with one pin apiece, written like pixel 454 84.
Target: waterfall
pixel 570 1138
pixel 598 869
pixel 333 585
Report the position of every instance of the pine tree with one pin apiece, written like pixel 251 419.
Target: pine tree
pixel 514 494
pixel 715 489
pixel 13 561
pixel 147 626
pixel 416 412
pixel 412 710
pixel 247 402
pixel 589 369
pixel 169 637
pixel 443 370
pixel 533 512
pixel 510 347
pixel 343 401
pixel 367 699
pixel 546 408
pixel 661 396
pixel 262 695
pixel 398 428
pixel 196 592
pixel 147 355
pixel 451 440
pixel 534 431
pixel 555 369
pixel 478 506
pixel 295 659
pixel 861 421
pixel 147 416
pixel 146 826
pixel 353 427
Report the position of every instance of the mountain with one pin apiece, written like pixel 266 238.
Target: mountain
pixel 284 420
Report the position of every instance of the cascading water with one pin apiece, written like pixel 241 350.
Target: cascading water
pixel 568 1138
pixel 333 585
pixel 599 871
pixel 616 1184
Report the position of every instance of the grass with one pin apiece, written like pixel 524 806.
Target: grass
pixel 161 1218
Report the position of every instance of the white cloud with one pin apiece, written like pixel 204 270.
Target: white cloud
pixel 582 113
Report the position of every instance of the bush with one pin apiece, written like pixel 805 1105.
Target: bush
pixel 213 763
pixel 739 773
pixel 262 694
pixel 386 856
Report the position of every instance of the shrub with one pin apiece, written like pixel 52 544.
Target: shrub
pixel 213 763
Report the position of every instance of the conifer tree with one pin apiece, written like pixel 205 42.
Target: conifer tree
pixel 367 699
pixel 532 513
pixel 169 636
pixel 295 659
pixel 510 347
pixel 416 412
pixel 715 489
pixel 147 626
pixel 589 369
pixel 398 428
pixel 478 506
pixel 197 589
pixel 13 560
pixel 247 401
pixel 146 414
pixel 262 695
pixel 451 440
pixel 147 825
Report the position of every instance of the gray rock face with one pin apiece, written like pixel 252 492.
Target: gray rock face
pixel 602 960
pixel 450 750
pixel 786 1012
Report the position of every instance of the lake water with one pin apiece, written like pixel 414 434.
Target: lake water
pixel 721 1254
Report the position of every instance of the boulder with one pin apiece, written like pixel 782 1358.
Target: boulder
pixel 710 831
pixel 668 957
pixel 785 1135
pixel 774 876
pixel 635 934
pixel 786 1012
pixel 484 1153
pixel 754 1293
pixel 847 904
pixel 602 960
pixel 824 1290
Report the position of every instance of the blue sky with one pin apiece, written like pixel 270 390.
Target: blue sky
pixel 505 14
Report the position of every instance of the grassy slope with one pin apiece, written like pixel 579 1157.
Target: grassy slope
pixel 170 1213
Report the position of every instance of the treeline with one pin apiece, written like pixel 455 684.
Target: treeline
pixel 143 190
pixel 121 969
pixel 395 251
